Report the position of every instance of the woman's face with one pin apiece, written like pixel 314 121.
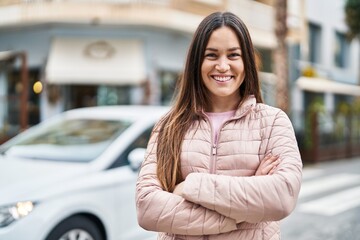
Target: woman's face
pixel 222 70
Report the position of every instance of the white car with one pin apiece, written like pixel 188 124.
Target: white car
pixel 73 177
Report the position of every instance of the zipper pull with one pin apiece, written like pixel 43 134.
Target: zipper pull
pixel 214 150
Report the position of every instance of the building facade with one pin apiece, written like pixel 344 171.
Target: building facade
pixel 88 53
pixel 326 83
pixel 328 61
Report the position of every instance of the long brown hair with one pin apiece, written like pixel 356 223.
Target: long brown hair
pixel 192 96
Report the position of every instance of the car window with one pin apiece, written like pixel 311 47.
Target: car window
pixel 140 142
pixel 78 140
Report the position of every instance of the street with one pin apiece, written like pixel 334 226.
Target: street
pixel 329 203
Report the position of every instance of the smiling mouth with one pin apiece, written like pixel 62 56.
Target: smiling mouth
pixel 222 78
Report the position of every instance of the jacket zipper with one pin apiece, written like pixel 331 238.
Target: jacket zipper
pixel 213 148
pixel 214 142
pixel 212 165
pixel 213 159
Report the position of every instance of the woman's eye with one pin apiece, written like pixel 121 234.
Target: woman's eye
pixel 210 55
pixel 234 55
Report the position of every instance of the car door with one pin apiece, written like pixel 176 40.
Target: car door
pixel 125 210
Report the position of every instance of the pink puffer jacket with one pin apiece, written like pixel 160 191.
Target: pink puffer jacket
pixel 222 198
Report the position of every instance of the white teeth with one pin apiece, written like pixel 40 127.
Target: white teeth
pixel 222 79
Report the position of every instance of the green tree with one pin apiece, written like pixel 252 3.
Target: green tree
pixel 352 18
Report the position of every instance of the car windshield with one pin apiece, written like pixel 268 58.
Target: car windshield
pixel 75 140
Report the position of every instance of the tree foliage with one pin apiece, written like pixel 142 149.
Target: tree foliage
pixel 352 17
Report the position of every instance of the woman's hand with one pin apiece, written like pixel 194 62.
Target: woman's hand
pixel 268 165
pixel 179 189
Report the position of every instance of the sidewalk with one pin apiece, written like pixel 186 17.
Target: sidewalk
pixel 332 166
pixel 329 203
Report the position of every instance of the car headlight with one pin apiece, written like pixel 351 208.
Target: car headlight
pixel 11 213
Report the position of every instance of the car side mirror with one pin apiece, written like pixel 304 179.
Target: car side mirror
pixel 136 157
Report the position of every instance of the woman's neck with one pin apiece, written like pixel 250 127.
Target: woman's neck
pixel 223 105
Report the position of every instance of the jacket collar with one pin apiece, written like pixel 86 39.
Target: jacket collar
pixel 246 106
pixel 242 109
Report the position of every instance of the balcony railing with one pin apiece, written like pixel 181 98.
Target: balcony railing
pixel 160 13
pixel 152 2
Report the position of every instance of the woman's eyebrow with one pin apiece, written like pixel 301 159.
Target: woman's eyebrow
pixel 211 49
pixel 229 49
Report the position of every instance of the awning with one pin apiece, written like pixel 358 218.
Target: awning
pixel 6 55
pixel 95 61
pixel 323 85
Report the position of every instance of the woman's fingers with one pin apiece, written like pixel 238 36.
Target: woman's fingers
pixel 272 170
pixel 268 165
pixel 269 159
pixel 179 188
pixel 271 167
pixel 267 169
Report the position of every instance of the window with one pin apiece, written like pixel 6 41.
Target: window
pixel 167 84
pixel 58 140
pixel 140 142
pixel 78 96
pixel 264 59
pixel 341 50
pixel 11 93
pixel 314 43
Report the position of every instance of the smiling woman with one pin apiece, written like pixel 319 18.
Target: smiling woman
pixel 221 164
pixel 222 70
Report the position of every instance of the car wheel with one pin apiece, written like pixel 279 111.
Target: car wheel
pixel 76 228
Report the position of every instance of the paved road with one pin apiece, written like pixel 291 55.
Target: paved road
pixel 329 203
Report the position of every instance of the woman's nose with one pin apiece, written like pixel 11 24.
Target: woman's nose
pixel 222 65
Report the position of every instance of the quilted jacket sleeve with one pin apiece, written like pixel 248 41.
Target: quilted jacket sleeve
pixel 161 211
pixel 257 198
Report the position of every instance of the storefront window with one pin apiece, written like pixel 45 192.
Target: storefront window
pixel 34 97
pixel 77 96
pixel 264 59
pixel 167 83
pixel 110 95
pixel 3 106
pixel 11 90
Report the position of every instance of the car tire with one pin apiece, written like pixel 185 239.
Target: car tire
pixel 78 227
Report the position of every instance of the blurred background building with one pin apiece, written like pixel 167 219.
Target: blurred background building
pixel 325 96
pixel 85 53
pixel 57 55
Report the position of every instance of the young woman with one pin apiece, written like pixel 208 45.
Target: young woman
pixel 221 164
